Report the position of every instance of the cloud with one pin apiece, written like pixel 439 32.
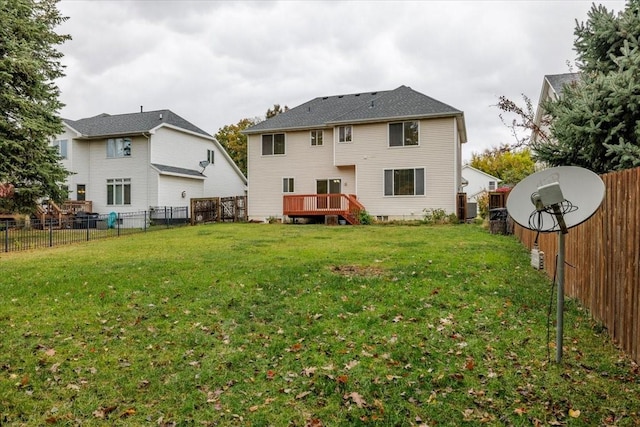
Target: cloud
pixel 216 62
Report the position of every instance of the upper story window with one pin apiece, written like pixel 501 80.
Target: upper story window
pixel 344 133
pixel 119 147
pixel 61 146
pixel 210 156
pixel 492 185
pixel 402 134
pixel 316 137
pixel 272 144
pixel 404 182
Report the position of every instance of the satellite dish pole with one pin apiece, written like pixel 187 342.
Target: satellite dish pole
pixel 551 212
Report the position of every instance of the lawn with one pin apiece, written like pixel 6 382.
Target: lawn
pixel 299 325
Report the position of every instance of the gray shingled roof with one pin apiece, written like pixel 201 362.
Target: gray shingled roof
pixel 558 81
pixel 128 124
pixel 173 169
pixel 399 103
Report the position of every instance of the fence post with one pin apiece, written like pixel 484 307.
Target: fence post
pixel 50 232
pixel 144 227
pixel 87 219
pixel 6 236
pixel 118 222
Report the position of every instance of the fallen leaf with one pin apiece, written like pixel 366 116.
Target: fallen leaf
pixel 520 411
pixel 270 374
pixel 342 379
pixel 307 372
pixel 254 408
pixel 302 395
pixel 469 364
pixel 356 398
pixel 574 413
pixel 54 368
pixel 127 413
pixel 351 365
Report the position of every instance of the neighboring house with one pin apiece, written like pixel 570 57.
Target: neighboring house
pixel 478 182
pixel 552 86
pixel 397 152
pixel 130 162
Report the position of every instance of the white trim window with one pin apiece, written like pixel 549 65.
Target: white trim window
pixel 403 134
pixel 118 191
pixel 404 182
pixel 287 185
pixel 316 138
pixel 118 147
pixel 345 133
pixel 492 186
pixel 211 156
pixel 273 144
pixel 61 146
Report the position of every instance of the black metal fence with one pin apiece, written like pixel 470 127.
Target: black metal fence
pixel 83 227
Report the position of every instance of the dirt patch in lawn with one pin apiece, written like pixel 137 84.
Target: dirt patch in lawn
pixel 357 270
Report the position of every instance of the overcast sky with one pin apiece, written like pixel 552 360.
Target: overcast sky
pixel 216 62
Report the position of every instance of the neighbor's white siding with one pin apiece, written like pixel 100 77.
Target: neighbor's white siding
pixel 478 182
pixel 174 186
pixel 102 168
pixel 185 150
pixel 88 162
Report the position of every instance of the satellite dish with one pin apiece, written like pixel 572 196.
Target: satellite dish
pixel 577 191
pixel 204 163
pixel 556 199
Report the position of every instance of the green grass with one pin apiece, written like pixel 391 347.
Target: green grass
pixel 247 324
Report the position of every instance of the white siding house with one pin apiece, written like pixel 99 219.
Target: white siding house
pixel 478 182
pixel 131 162
pixel 398 152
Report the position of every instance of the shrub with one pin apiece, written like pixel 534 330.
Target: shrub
pixel 483 205
pixel 439 216
pixel 364 218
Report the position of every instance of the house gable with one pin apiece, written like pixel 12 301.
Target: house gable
pixel 552 87
pixel 478 182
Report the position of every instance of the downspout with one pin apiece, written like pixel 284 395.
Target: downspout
pixel 148 136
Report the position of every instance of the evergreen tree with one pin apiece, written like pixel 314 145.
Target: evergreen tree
pixel 596 123
pixel 29 105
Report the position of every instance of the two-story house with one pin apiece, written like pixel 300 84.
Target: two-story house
pixel 396 152
pixel 130 162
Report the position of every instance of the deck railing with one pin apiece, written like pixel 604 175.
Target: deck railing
pixel 305 205
pixel 75 206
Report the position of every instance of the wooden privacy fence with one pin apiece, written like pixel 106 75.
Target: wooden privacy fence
pixel 603 255
pixel 218 209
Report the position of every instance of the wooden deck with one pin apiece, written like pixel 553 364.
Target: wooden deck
pixel 346 206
